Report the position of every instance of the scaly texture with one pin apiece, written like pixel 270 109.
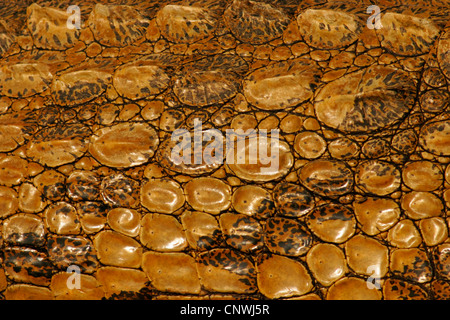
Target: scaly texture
pixel 92 174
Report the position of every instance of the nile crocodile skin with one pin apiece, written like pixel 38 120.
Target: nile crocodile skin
pixel 356 207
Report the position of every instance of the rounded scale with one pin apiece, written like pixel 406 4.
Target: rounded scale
pixel 180 153
pixel 395 289
pixel 351 288
pixel 442 260
pixel 292 200
pixel 253 201
pixel 30 199
pixel 24 229
pixel 327 263
pixel 83 185
pixel 367 256
pixel 162 232
pixel 171 272
pixel 124 220
pixel 365 100
pixel 124 145
pixel 14 170
pixel 411 264
pixel 118 250
pixel 255 22
pixel 116 280
pixel 378 177
pixel 273 161
pixel 226 270
pixel 376 215
pixel 282 85
pixel 202 230
pixel 327 177
pixel 140 81
pixel 435 101
pixel 407 35
pixel 9 203
pixel 434 230
pixel 48 28
pixel 208 194
pixel 80 86
pixel 58 145
pixel 62 218
pixel 185 24
pixel 51 184
pixel 202 88
pixel 404 235
pixel 343 149
pixel 329 29
pixel 282 277
pixel 242 232
pixel 309 144
pixel 120 191
pixel 287 237
pixel 420 205
pixel 332 223
pixel 65 251
pixel 434 137
pixel 422 175
pixel 116 25
pixel 24 79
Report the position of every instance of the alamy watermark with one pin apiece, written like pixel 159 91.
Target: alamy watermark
pixel 374 21
pixel 74 280
pixel 373 281
pixel 207 147
pixel 74 20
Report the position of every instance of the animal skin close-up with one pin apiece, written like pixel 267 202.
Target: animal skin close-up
pixel 225 149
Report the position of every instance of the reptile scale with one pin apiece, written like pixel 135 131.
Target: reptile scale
pixel 90 101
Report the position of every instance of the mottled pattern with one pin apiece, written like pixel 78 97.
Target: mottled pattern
pixel 103 165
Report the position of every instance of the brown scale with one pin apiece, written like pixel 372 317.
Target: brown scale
pixel 88 177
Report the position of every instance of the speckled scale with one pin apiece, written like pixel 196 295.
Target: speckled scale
pixel 24 79
pixel 28 265
pixel 255 22
pixel 411 264
pixel 434 100
pixel 395 289
pixel 185 24
pixel 435 136
pixel 365 100
pixel 80 86
pixel 52 184
pixel 6 38
pixel 242 232
pixel 332 223
pixel 15 128
pixel 226 270
pixel 204 88
pixel 25 230
pixel 83 185
pixel 292 200
pixel 120 191
pixel 72 250
pixel 405 141
pixel 287 237
pixel 54 146
pixel 441 259
pixel 116 25
pixel 329 29
pixel 327 177
pixel 48 28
